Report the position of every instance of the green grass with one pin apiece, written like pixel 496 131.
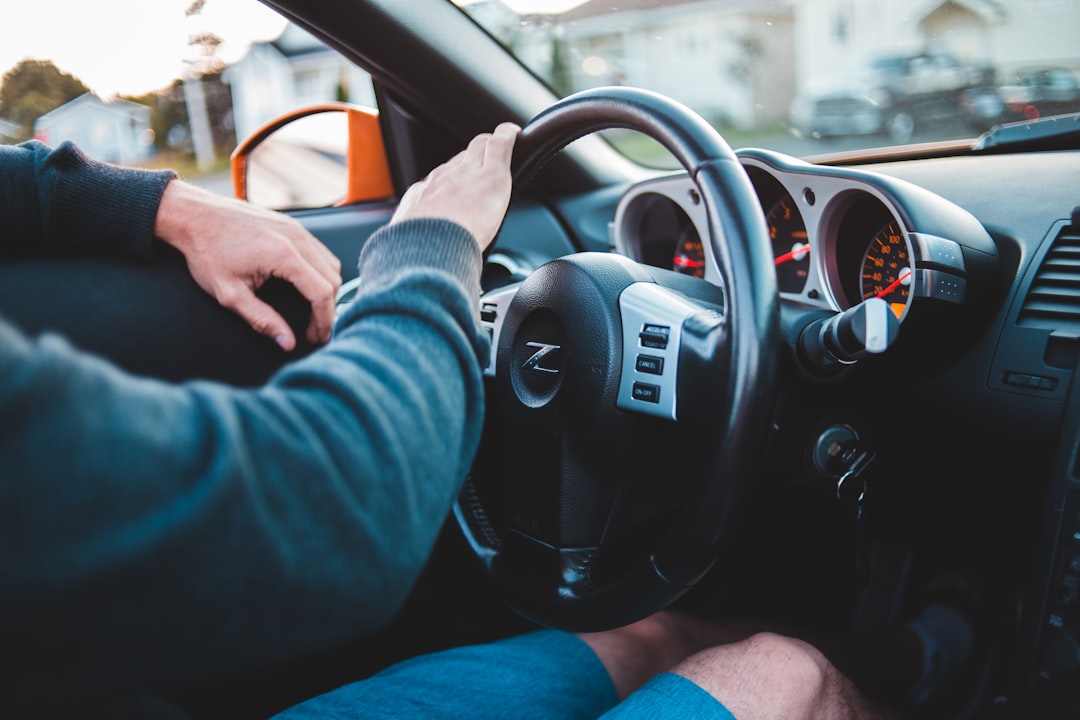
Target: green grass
pixel 645 150
pixel 185 165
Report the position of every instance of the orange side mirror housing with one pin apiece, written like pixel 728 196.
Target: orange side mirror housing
pixel 329 154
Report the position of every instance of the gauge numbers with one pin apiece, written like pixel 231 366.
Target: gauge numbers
pixel 886 269
pixel 791 252
pixel 689 257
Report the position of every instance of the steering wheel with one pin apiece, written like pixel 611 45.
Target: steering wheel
pixel 629 403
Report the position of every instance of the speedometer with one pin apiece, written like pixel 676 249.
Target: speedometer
pixel 886 269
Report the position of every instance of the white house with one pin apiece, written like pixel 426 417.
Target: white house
pixel 746 43
pixel 293 70
pixel 1006 34
pixel 117 131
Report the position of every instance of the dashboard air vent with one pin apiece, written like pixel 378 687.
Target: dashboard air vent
pixel 1053 300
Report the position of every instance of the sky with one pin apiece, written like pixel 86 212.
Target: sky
pixel 121 57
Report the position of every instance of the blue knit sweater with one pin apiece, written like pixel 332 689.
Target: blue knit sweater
pixel 153 534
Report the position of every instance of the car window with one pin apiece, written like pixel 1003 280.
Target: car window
pixel 178 88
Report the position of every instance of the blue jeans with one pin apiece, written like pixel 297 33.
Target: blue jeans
pixel 542 675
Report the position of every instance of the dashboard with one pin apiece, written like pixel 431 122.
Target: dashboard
pixel 839 236
pixel 973 411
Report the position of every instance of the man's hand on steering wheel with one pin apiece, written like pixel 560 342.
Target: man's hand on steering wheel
pixel 471 189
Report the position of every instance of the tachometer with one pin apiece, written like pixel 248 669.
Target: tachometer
pixel 886 269
pixel 790 248
pixel 689 257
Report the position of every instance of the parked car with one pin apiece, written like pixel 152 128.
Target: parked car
pixel 891 95
pixel 1029 94
pixel 869 357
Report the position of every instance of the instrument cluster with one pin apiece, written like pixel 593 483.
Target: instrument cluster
pixel 839 236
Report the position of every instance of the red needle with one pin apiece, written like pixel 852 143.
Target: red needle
pixel 687 262
pixel 796 253
pixel 895 283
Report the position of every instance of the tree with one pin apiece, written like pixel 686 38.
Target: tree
pixel 206 44
pixel 560 80
pixel 207 61
pixel 205 65
pixel 33 88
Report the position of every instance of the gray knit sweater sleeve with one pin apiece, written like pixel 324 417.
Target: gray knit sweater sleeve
pixel 61 200
pixel 153 534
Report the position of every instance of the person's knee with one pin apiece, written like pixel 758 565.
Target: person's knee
pixel 796 666
pixel 764 676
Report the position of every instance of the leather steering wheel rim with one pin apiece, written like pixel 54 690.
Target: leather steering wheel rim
pixel 550 507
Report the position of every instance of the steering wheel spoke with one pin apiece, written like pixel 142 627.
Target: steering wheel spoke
pixel 653 318
pixel 493 307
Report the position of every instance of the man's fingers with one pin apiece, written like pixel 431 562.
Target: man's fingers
pixel 500 147
pixel 332 261
pixel 323 261
pixel 261 316
pixel 322 321
pixel 474 151
pixel 319 292
pixel 326 262
pixel 316 273
pixel 471 189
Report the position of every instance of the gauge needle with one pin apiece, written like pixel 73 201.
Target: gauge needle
pixel 895 283
pixel 684 261
pixel 797 254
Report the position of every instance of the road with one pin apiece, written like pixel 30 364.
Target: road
pixel 220 183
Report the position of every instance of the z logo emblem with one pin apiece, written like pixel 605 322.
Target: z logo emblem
pixel 534 363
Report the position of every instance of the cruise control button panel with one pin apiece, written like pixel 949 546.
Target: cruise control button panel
pixel 652 321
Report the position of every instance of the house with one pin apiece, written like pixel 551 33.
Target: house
pixel 293 70
pixel 1005 34
pixel 747 45
pixel 116 131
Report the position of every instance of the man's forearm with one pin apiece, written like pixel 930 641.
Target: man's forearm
pixel 61 200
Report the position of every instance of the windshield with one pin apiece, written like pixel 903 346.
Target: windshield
pixel 807 76
pixel 803 77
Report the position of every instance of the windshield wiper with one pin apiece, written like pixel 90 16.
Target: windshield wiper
pixel 1058 132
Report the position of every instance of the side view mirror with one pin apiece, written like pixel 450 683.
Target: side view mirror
pixel 318 156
